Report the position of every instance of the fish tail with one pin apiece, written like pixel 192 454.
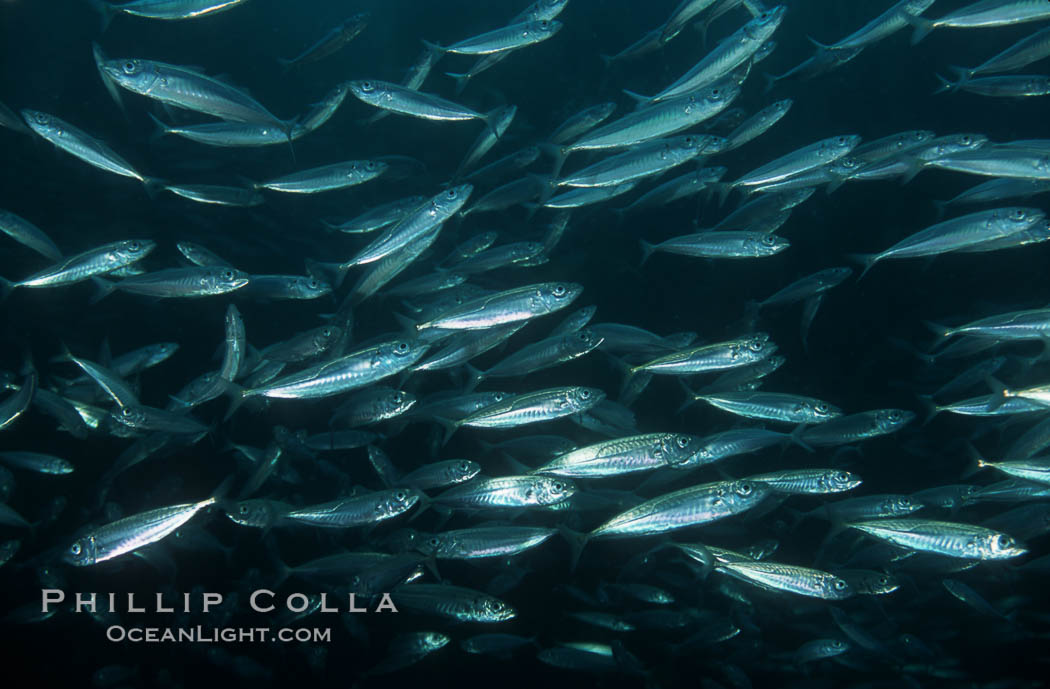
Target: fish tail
pixel 770 81
pixel 817 44
pixel 942 332
pixel 941 207
pixel 160 128
pixel 946 85
pixel 723 190
pixel 476 376
pixel 450 427
pixel 434 47
pixel 930 407
pixel 153 185
pixel 425 503
pixel 6 287
pixel 693 397
pixel 558 154
pixel 105 288
pixel 576 541
pixel 978 463
pixel 796 437
pixel 647 251
pixel 922 27
pixel 1000 393
pixel 461 80
pixel 866 261
pixel 636 97
pixel 106 12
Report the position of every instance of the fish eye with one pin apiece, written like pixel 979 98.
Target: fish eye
pixel 397 398
pixel 401 347
pixel 884 581
pixel 841 476
pixel 1019 214
pixel 243 509
pixel 313 284
pixel 904 502
pixel 1005 542
pixel 134 246
pixel 768 240
pixel 327 332
pixel 840 584
pixel 821 408
pixel 434 542
pixel 227 275
pixel 894 416
pixel 126 411
pixel 585 394
pixel 129 67
pixel 557 487
pixel 966 140
pixel 464 467
pixel 744 489
pixel 559 290
pixel 75 549
pixel 451 194
pixel 682 440
pixel 401 496
pixel 755 345
pixel 545 24
pixel 716 92
pixel 367 86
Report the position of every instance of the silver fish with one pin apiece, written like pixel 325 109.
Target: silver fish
pixel 131 533
pixel 191 90
pixel 83 266
pixel 506 38
pixel 82 145
pixel 945 538
pixel 356 369
pixel 327 177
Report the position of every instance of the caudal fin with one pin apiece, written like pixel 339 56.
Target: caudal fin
pixel 576 541
pixel 647 251
pixel 461 80
pixel 922 27
pixel 866 261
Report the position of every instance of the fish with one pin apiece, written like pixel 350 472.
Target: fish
pixel 82 145
pixel 169 10
pixel 332 42
pixel 897 17
pixel 181 282
pixel 29 235
pixel 730 54
pixel 512 37
pixel 624 455
pixel 327 177
pixel 358 368
pixel 508 306
pixel 721 244
pixel 189 89
pixel 959 233
pixel 531 407
pixel 944 538
pixel 127 535
pixel 396 98
pixel 984 13
pixel 91 263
